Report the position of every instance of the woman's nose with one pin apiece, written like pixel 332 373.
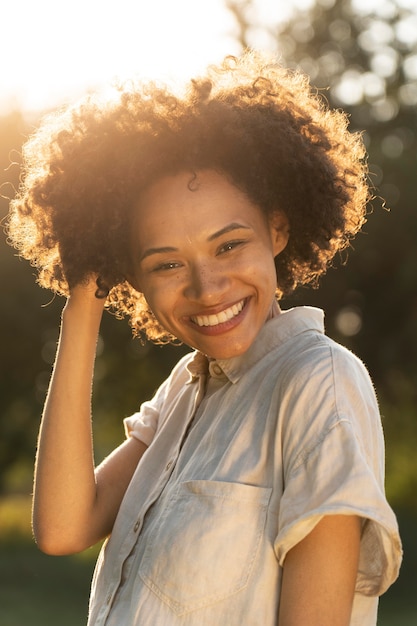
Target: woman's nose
pixel 206 284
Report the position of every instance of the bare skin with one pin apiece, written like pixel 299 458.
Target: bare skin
pixel 75 505
pixel 320 573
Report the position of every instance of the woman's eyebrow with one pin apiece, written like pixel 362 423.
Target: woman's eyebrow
pixel 216 235
pixel 151 251
pixel 227 229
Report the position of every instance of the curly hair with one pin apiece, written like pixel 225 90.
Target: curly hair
pixel 249 118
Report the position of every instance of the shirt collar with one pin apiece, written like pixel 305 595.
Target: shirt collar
pixel 274 333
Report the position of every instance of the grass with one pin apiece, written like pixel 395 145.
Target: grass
pixel 402 617
pixel 41 590
pixel 36 589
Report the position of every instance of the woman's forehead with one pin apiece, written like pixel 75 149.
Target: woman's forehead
pixel 202 203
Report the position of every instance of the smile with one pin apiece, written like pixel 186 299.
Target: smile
pixel 219 318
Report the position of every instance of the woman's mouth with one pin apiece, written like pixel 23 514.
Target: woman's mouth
pixel 219 318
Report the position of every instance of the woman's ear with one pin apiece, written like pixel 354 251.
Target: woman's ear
pixel 280 231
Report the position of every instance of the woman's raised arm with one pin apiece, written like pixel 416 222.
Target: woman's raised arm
pixel 75 506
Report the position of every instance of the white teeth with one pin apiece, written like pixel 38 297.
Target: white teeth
pixel 219 318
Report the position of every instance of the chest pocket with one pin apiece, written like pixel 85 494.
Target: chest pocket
pixel 205 543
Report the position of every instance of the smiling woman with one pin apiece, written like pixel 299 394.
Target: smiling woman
pixel 250 487
pixel 65 48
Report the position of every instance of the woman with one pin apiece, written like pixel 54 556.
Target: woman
pixel 250 488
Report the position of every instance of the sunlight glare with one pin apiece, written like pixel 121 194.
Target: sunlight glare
pixel 53 51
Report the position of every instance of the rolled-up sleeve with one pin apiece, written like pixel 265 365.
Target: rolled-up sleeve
pixel 334 465
pixel 335 479
pixel 144 424
pixel 147 422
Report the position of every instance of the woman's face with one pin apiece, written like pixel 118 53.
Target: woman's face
pixel 204 259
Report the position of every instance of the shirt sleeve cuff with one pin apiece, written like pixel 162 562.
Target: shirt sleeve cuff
pixel 141 427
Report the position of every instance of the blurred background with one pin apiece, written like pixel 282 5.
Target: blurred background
pixel 362 56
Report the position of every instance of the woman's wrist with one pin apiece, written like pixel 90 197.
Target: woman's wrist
pixel 82 312
pixel 84 297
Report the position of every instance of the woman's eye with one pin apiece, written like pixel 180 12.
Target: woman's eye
pixel 166 266
pixel 230 245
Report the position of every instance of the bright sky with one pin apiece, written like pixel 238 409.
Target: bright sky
pixel 54 50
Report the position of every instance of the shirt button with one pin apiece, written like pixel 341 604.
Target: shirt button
pixel 136 526
pixel 217 369
pixel 168 466
pixel 108 600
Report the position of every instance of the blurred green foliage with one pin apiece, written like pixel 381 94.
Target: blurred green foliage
pixel 41 590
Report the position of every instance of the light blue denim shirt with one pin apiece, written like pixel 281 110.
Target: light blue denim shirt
pixel 245 457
